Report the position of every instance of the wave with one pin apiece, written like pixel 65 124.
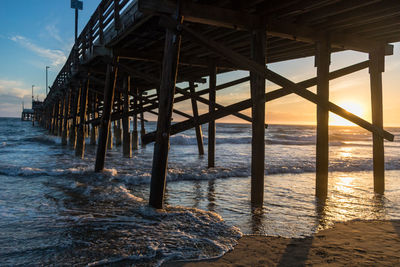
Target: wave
pixel 191 173
pixel 108 224
pixel 43 139
pixel 130 232
pixel 300 140
pixel 182 139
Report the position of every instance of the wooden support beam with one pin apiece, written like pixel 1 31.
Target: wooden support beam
pixel 93 130
pixel 156 81
pixel 105 120
pixel 110 139
pixel 60 116
pixel 72 132
pixel 52 118
pixel 128 54
pixel 117 123
pixel 282 81
pixel 135 139
pixel 199 133
pixel 306 34
pixel 80 141
pixel 218 106
pixel 257 90
pixel 65 117
pixel 187 96
pixel 322 61
pixel 205 14
pixel 142 120
pixel 377 66
pixel 55 118
pixel 278 93
pixel 239 20
pixel 127 151
pixel 167 92
pixel 211 110
pixel 57 121
pixel 269 96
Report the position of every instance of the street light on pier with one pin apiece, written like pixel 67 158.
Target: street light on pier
pixel 32 95
pixel 77 5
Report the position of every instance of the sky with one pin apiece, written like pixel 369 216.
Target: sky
pixel 35 34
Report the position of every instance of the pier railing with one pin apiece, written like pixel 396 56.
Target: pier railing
pixel 106 20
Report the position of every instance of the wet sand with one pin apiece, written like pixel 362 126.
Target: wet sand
pixel 355 243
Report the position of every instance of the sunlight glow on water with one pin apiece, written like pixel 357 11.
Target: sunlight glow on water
pixel 55 210
pixel 346 152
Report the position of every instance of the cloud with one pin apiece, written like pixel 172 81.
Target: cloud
pixel 12 94
pixel 56 57
pixel 13 88
pixel 53 32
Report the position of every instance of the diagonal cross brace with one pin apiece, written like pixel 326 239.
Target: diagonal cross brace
pixel 278 93
pixel 274 77
pixel 150 78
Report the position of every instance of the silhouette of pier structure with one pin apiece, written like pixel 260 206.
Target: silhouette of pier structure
pixel 131 55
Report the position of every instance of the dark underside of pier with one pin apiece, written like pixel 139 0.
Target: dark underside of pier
pixel 131 54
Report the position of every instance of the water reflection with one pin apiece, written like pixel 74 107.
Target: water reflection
pixel 257 220
pixel 198 196
pixel 320 210
pixel 211 196
pixel 379 207
pixel 290 206
pixel 346 152
pixel 344 183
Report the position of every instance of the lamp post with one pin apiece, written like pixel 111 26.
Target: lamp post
pixel 32 95
pixel 77 5
pixel 47 83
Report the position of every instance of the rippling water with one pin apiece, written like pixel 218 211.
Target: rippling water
pixel 55 210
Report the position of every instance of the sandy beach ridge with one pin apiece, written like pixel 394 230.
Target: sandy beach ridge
pixel 354 243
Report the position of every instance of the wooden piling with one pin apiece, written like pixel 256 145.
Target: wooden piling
pixel 87 127
pixel 142 127
pixel 105 120
pixel 61 117
pixel 199 133
pixel 110 140
pixel 57 126
pixel 54 127
pixel 166 101
pixel 72 132
pixel 377 66
pixel 211 109
pixel 80 142
pixel 135 139
pixel 117 124
pixel 93 130
pixel 127 151
pixel 66 115
pixel 51 118
pixel 322 61
pixel 257 91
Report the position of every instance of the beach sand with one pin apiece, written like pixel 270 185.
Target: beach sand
pixel 355 243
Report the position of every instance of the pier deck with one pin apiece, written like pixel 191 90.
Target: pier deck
pixel 132 53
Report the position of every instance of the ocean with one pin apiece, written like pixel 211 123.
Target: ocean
pixel 54 210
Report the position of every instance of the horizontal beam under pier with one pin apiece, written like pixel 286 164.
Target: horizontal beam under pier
pixel 228 110
pixel 240 20
pixel 274 77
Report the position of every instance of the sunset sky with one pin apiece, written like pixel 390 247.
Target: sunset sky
pixel 35 34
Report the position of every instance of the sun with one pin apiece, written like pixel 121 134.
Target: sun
pixel 350 105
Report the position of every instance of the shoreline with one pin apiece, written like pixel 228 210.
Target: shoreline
pixel 356 243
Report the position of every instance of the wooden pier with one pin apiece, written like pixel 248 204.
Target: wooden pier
pixel 132 53
pixel 34 113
